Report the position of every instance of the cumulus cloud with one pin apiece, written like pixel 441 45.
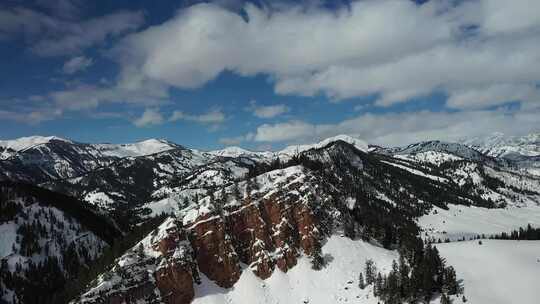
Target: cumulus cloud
pixel 53 35
pixel 85 96
pixel 396 49
pixel 30 116
pixel 211 117
pixel 77 64
pixel 494 95
pixel 393 129
pixel 149 117
pixel 236 140
pixel 270 111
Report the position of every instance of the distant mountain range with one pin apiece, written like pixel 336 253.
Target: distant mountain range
pixel 232 211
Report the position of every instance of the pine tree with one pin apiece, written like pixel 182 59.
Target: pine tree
pixel 445 299
pixel 450 284
pixel 361 282
pixel 403 277
pixel 317 260
pixel 379 283
pixel 370 270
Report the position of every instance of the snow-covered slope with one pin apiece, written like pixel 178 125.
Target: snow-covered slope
pixel 23 143
pixel 9 148
pixel 240 152
pixel 142 148
pixel 461 221
pixel 336 283
pixel 496 272
pixel 45 237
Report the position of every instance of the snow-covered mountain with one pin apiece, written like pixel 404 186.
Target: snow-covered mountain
pixel 523 151
pixel 38 159
pixel 257 221
pixel 500 145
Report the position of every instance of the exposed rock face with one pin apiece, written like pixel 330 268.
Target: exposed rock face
pixel 214 252
pixel 175 283
pixel 159 269
pixel 174 277
pixel 250 238
pixel 306 228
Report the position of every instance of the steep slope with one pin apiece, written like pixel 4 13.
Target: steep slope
pixel 46 237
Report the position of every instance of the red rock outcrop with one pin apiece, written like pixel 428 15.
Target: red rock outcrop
pixel 251 239
pixel 262 232
pixel 175 283
pixel 306 227
pixel 214 251
pixel 174 277
pixel 279 218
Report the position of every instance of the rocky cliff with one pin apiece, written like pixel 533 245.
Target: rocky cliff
pixel 262 229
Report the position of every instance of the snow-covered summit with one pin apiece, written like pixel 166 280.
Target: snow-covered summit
pixel 23 143
pixel 235 151
pixel 141 148
pixel 357 143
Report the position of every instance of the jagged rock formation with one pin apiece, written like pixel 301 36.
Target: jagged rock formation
pixel 263 229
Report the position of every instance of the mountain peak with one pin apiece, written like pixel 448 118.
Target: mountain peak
pixel 23 143
pixel 357 143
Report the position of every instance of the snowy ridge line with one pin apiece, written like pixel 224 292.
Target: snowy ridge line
pixel 417 172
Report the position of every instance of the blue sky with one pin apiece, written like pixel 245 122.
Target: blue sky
pixel 266 74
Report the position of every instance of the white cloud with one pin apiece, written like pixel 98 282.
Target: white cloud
pixel 77 64
pixel 293 130
pixel 237 140
pixel 83 96
pixel 392 129
pixel 30 116
pixel 494 95
pixel 211 117
pixel 53 35
pixel 394 48
pixel 397 49
pixel 148 118
pixel 270 111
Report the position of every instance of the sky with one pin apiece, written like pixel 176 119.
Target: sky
pixel 265 74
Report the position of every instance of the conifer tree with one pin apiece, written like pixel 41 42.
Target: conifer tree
pixel 370 270
pixel 379 283
pixel 445 299
pixel 317 260
pixel 361 282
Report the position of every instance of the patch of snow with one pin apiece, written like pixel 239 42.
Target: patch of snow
pixel 496 272
pixel 417 172
pixel 336 283
pixel 462 221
